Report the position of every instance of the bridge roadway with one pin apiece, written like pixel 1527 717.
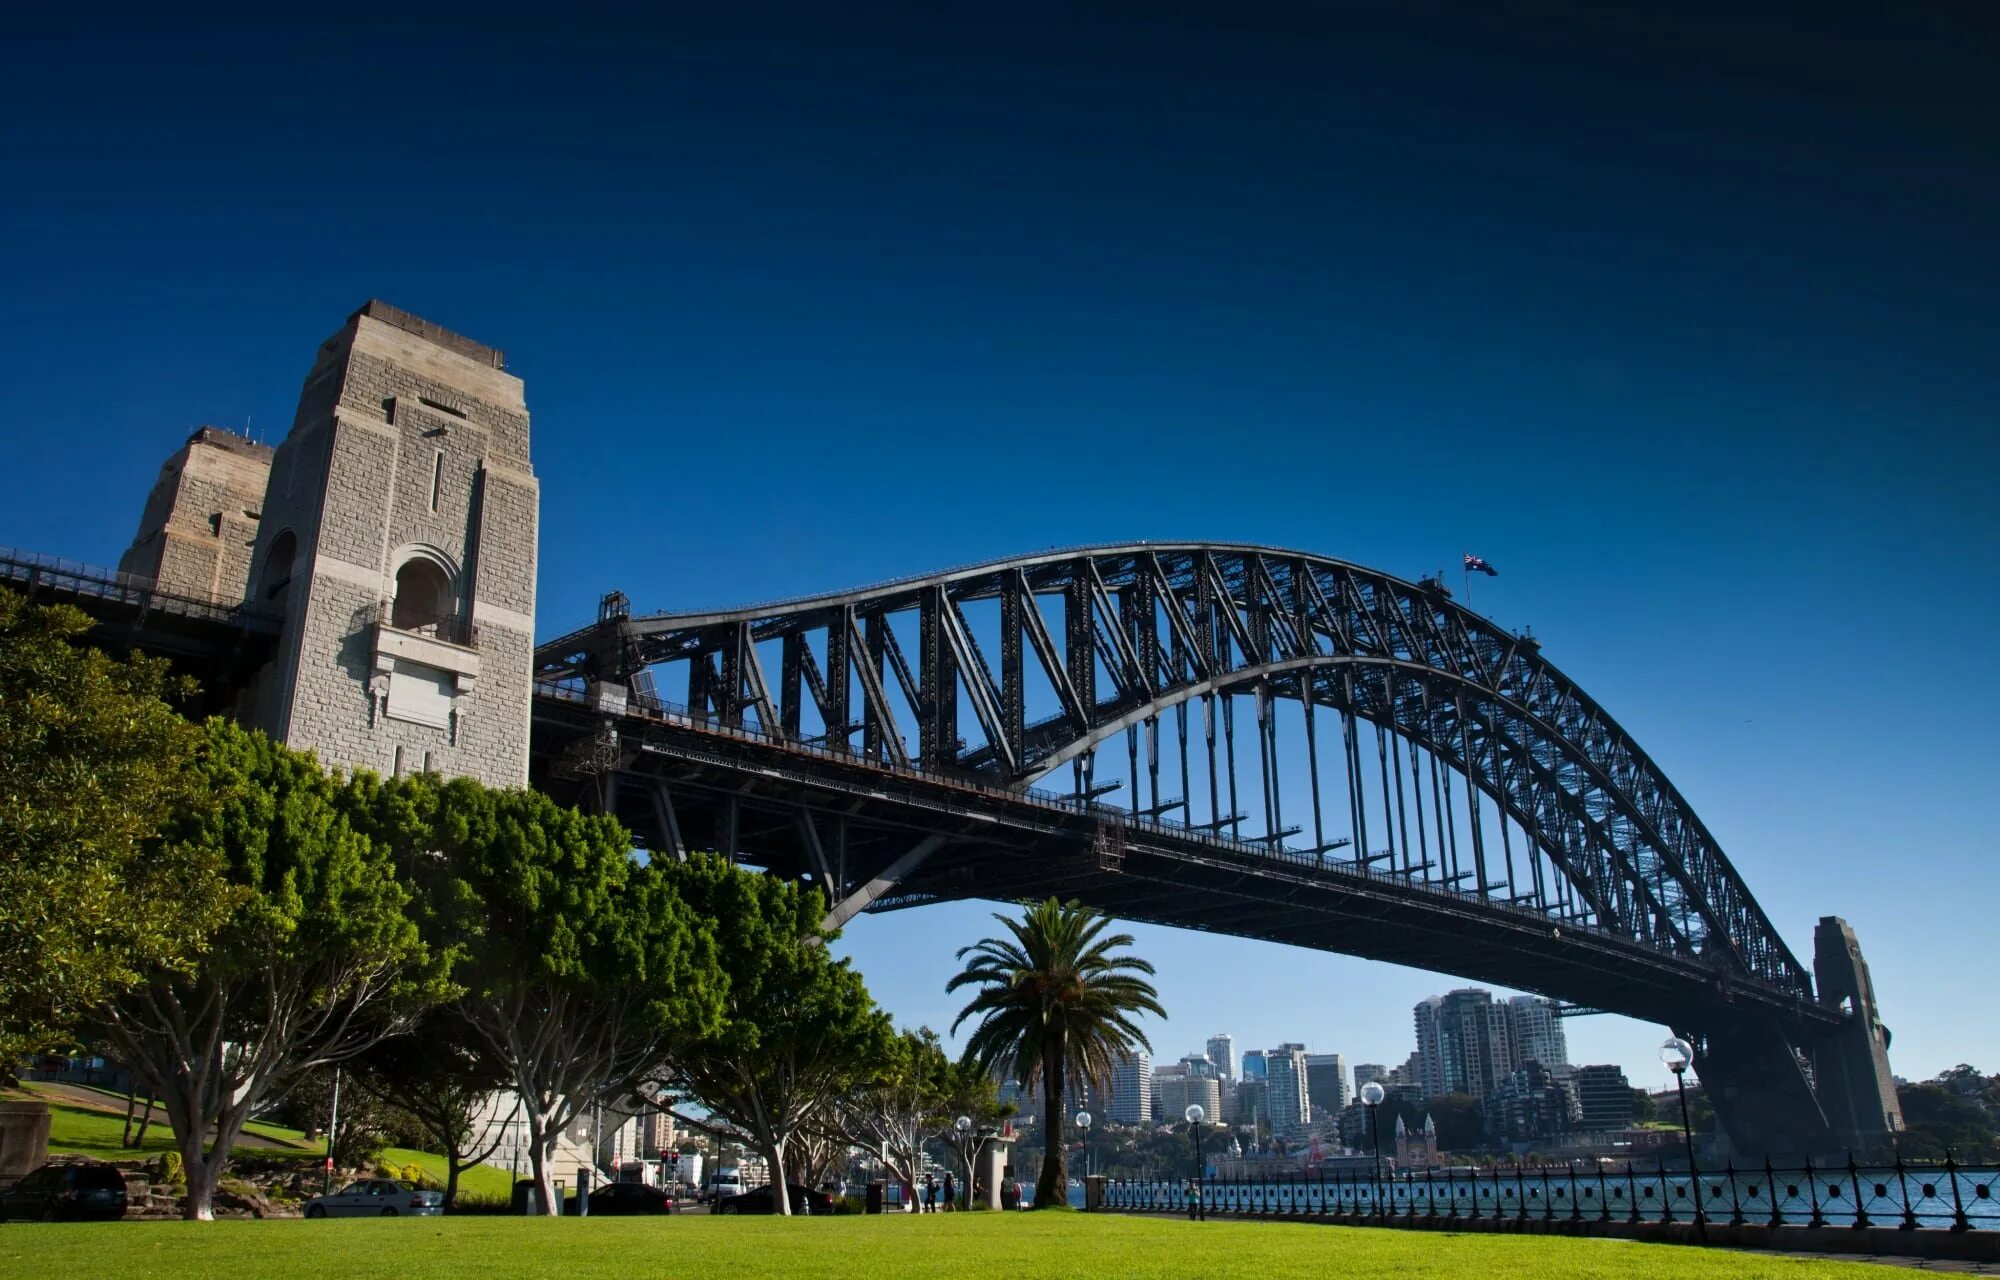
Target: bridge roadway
pixel 836 818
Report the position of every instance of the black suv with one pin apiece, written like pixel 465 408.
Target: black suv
pixel 66 1192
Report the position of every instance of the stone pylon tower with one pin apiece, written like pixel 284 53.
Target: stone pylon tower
pixel 398 540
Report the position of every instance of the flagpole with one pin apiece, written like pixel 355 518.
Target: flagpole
pixel 1466 570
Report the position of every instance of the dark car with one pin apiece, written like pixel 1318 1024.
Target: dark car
pixel 625 1197
pixel 66 1193
pixel 761 1200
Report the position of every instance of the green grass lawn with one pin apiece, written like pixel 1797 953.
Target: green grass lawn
pixel 76 1130
pixel 480 1184
pixel 983 1246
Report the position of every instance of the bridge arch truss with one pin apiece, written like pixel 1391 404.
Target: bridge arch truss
pixel 1300 705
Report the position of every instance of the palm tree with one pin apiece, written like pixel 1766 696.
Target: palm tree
pixel 1055 1005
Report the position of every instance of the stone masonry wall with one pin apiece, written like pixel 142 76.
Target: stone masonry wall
pixel 201 519
pixel 404 447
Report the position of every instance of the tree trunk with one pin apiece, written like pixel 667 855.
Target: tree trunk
pixel 774 1160
pixel 203 1172
pixel 540 1148
pixel 451 1168
pixel 131 1101
pixel 145 1120
pixel 1052 1188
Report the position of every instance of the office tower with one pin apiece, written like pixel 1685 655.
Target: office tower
pixel 1366 1071
pixel 1222 1052
pixel 1326 1080
pixel 1253 1064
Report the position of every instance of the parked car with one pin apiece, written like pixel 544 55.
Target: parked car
pixel 762 1201
pixel 66 1193
pixel 624 1197
pixel 377 1198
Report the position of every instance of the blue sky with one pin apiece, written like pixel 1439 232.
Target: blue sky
pixel 1688 328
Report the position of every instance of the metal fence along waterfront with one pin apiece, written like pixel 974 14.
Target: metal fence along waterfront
pixel 1946 1196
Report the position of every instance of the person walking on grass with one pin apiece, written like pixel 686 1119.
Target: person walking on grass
pixel 930 1193
pixel 950 1193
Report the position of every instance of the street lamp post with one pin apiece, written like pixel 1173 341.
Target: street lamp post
pixel 1677 1054
pixel 1083 1121
pixel 964 1127
pixel 1371 1097
pixel 1195 1115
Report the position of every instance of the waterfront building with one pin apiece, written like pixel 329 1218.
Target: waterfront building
pixel 1530 1106
pixel 1603 1097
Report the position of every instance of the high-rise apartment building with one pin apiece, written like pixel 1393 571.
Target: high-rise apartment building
pixel 1222 1052
pixel 1326 1080
pixel 1131 1093
pixel 1289 1095
pixel 1535 1033
pixel 1462 1043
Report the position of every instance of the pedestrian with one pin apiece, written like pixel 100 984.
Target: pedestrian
pixel 950 1194
pixel 930 1193
pixel 1193 1200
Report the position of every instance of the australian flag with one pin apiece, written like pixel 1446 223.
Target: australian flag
pixel 1473 564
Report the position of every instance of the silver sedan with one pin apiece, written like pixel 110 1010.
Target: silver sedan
pixel 377 1198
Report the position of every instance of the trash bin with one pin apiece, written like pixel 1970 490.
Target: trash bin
pixel 525 1201
pixel 875 1196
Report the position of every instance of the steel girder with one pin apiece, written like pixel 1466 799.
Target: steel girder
pixel 1148 628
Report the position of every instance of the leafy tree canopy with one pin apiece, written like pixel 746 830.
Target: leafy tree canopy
pixel 798 1030
pixel 318 958
pixel 581 965
pixel 92 761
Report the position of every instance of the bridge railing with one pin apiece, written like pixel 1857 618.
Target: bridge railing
pixel 1941 1196
pixel 36 572
pixel 647 707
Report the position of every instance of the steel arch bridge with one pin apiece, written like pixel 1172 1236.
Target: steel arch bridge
pixel 1252 741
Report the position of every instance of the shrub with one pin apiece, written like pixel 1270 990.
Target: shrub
pixel 170 1171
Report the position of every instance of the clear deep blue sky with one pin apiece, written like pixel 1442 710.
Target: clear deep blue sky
pixel 1688 327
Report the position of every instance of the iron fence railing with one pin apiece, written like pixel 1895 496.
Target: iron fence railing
pixel 1945 1196
pixel 70 577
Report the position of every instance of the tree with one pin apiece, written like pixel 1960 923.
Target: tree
pixel 1936 1119
pixel 317 959
pixel 1459 1117
pixel 1054 1005
pixel 902 1105
pixel 93 761
pixel 798 1030
pixel 440 1080
pixel 581 966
